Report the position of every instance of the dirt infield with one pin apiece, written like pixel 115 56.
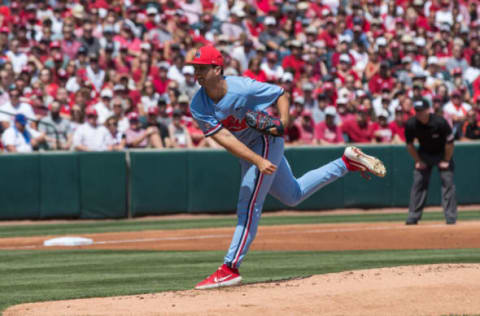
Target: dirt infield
pixel 425 290
pixel 415 290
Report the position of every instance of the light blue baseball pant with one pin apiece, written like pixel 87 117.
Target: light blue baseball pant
pixel 282 185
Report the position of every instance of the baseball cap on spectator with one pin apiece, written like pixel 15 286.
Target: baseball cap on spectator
pixel 330 110
pixel 299 100
pixel 207 55
pixel 188 70
pixel 420 41
pixel 432 60
pixel 344 58
pixel 361 108
pixel 153 111
pixel 55 44
pixel 307 86
pixel 183 98
pixel 132 116
pixel 110 47
pixel 90 111
pixel 270 20
pixel 342 101
pixel 421 104
pixel 311 30
pixel 106 93
pixel 82 50
pixel 163 65
pixel 381 41
pixel 407 39
pixel 437 98
pixel 119 87
pixel 295 43
pixel 145 46
pixel 385 86
pixel 328 86
pixel 418 2
pixel 344 39
pixel 444 27
pixel 330 19
pixel 177 113
pixel 457 71
pixel 58 57
pixel 20 118
pixel 360 94
pixel 4 29
pixel 152 10
pixel 287 76
pixel 384 64
pixel 383 113
pixel 376 21
pixel 406 60
pixel 456 93
pixel 62 73
pixel 108 29
pixel 78 11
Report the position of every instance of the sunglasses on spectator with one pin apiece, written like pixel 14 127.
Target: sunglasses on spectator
pixel 91 116
pixel 118 105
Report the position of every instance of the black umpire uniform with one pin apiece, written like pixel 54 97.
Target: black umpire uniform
pixel 436 149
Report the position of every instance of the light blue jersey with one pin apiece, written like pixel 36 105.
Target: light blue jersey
pixel 243 94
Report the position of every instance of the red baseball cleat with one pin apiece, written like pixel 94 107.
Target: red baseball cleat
pixel 224 276
pixel 356 160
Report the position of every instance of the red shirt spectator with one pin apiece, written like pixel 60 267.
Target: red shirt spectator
pixel 381 78
pixel 360 129
pixel 327 132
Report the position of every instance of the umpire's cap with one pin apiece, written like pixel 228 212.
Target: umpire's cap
pixel 420 104
pixel 207 55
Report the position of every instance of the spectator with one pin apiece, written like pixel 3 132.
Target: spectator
pixel 14 106
pixel 149 98
pixel 19 137
pixel 254 71
pixel 137 137
pixel 57 129
pixel 179 135
pixel 154 120
pixel 457 110
pixel 471 127
pixel 328 132
pixel 359 129
pixel 398 127
pixel 103 107
pixel 92 137
pixel 382 132
pixel 306 128
pixel 190 85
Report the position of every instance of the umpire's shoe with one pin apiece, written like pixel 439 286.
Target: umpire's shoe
pixel 357 160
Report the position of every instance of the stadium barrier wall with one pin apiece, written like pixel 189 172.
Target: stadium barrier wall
pixel 63 185
pixel 139 183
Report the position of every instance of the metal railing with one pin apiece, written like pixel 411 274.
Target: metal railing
pixel 57 134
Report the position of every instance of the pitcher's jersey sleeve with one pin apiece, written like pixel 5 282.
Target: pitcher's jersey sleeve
pixel 204 116
pixel 262 95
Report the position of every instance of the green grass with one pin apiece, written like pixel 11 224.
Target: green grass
pixel 220 221
pixel 30 276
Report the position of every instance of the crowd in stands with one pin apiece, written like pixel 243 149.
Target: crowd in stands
pixel 112 74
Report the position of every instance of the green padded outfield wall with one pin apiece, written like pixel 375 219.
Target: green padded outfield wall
pixel 103 184
pixel 19 186
pixel 63 185
pixel 158 182
pixel 59 185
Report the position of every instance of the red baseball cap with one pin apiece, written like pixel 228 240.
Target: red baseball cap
pixel 207 55
pixel 91 111
pixel 132 116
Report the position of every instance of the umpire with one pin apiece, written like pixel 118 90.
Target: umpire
pixel 436 149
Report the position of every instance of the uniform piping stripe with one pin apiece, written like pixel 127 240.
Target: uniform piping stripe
pixel 251 206
pixel 213 130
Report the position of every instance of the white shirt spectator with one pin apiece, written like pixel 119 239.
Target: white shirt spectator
pixel 21 108
pixel 96 78
pixel 273 73
pixel 19 60
pixel 96 138
pixel 461 112
pixel 12 137
pixel 103 112
pixel 175 74
pixel 72 85
pixel 123 124
pixel 149 101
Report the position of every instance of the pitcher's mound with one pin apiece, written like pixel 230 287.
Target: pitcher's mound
pixel 409 290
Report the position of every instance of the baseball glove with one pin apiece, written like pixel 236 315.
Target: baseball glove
pixel 264 123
